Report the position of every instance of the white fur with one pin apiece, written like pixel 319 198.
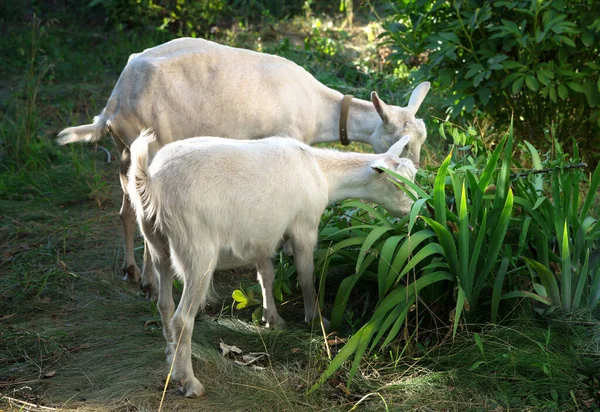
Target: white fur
pixel 190 87
pixel 208 203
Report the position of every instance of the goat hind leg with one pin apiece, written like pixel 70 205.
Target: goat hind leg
pixel 130 269
pixel 266 276
pixel 148 284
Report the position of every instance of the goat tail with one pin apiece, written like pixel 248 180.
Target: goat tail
pixel 87 132
pixel 139 187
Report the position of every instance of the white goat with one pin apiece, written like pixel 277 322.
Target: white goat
pixel 208 203
pixel 194 87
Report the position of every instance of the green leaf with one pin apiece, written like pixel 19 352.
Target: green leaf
pixel 532 83
pixel 592 193
pixel 582 282
pixel 562 91
pixel 460 304
pixel 373 237
pixel 240 297
pixel 566 280
pixel 439 192
pixel 408 246
pixel 486 176
pixel 414 212
pixel 495 244
pixel 587 38
pixel 446 240
pixel 517 85
pixel 369 209
pixel 497 290
pixel 385 262
pixel 341 300
pixel 576 87
pixel 511 64
pixel 524 294
pixel 463 240
pixel 548 280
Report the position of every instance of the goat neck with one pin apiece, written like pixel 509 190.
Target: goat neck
pixel 362 120
pixel 349 175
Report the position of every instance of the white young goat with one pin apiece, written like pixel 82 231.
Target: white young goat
pixel 194 87
pixel 208 203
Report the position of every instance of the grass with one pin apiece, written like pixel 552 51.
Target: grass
pixel 74 336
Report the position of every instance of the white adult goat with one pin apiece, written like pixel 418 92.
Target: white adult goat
pixel 208 203
pixel 194 87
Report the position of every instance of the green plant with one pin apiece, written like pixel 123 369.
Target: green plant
pixel 564 234
pixel 180 17
pixel 536 59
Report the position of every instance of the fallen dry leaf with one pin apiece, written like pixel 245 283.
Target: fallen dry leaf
pixel 336 341
pixel 226 349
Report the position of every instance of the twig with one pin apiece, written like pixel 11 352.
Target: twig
pixel 548 170
pixel 27 404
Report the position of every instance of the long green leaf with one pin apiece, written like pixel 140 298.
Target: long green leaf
pixel 408 246
pixel 341 300
pixel 566 280
pixel 492 162
pixel 495 245
pixel 582 282
pixel 439 192
pixel 414 212
pixel 463 241
pixel 446 240
pixel 373 237
pixel 497 291
pixel 504 176
pixel 369 209
pixel 524 294
pixel 399 321
pixel 460 304
pixel 385 262
pixel 476 253
pixel 548 280
pixel 430 249
pixel 592 193
pixel 537 164
pixel 407 183
pixel 389 320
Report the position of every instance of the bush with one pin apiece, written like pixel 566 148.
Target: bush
pixel 538 60
pixel 478 230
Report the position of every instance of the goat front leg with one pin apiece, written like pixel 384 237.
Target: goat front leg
pixel 130 269
pixel 266 276
pixel 303 247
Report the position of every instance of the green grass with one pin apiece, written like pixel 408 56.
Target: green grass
pixel 74 336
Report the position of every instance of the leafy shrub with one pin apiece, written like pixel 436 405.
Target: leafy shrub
pixel 179 17
pixel 538 60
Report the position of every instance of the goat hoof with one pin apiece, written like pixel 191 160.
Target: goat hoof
pixel 149 292
pixel 275 322
pixel 132 273
pixel 192 388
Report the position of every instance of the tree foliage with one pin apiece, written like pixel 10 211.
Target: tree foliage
pixel 537 59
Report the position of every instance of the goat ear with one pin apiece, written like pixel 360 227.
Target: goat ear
pixel 380 164
pixel 417 97
pixel 381 107
pixel 399 146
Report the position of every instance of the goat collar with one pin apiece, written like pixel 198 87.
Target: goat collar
pixel 344 120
